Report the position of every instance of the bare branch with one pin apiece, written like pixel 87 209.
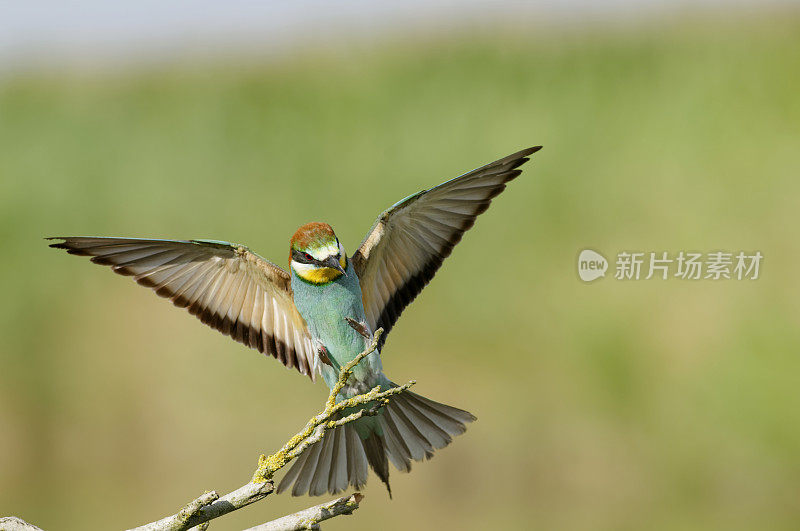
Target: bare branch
pixel 311 517
pixel 12 523
pixel 210 506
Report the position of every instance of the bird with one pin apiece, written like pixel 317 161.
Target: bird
pixel 316 317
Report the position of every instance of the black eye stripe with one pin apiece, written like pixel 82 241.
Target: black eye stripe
pixel 300 257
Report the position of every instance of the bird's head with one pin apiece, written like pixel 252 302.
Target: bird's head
pixel 316 255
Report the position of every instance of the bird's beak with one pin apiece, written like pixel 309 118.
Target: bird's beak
pixel 333 263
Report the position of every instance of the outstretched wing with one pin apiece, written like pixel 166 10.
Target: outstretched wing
pixel 409 241
pixel 225 285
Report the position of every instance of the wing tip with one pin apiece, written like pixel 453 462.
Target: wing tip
pixel 58 245
pixel 529 151
pixel 65 245
pixel 518 159
pixel 522 156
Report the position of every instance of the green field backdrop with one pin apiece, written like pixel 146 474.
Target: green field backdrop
pixel 614 405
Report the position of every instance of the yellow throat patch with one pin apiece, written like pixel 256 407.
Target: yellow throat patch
pixel 318 275
pixel 321 275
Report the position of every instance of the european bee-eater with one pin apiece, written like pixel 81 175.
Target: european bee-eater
pixel 302 317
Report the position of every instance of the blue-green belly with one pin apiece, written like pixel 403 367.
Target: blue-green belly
pixel 324 308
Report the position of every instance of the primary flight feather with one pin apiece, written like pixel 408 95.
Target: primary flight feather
pixel 301 317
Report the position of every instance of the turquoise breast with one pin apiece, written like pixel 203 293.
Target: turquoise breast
pixel 324 308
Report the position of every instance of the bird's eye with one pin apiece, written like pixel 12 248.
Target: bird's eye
pixel 307 256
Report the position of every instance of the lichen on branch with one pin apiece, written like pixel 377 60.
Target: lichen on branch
pixel 211 505
pixel 368 404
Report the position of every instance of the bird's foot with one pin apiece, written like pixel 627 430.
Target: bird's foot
pixel 359 327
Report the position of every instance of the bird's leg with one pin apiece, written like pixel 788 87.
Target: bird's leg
pixel 322 352
pixel 361 328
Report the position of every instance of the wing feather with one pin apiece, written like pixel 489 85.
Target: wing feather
pixel 408 242
pixel 227 286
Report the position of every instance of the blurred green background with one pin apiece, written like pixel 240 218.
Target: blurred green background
pixel 612 405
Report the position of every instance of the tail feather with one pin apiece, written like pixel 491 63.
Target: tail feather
pixel 319 482
pixel 416 443
pixel 410 427
pixel 451 419
pixel 303 483
pixel 414 426
pixel 376 455
pixel 338 478
pixel 293 472
pixel 396 449
pixel 436 436
pixel 356 458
